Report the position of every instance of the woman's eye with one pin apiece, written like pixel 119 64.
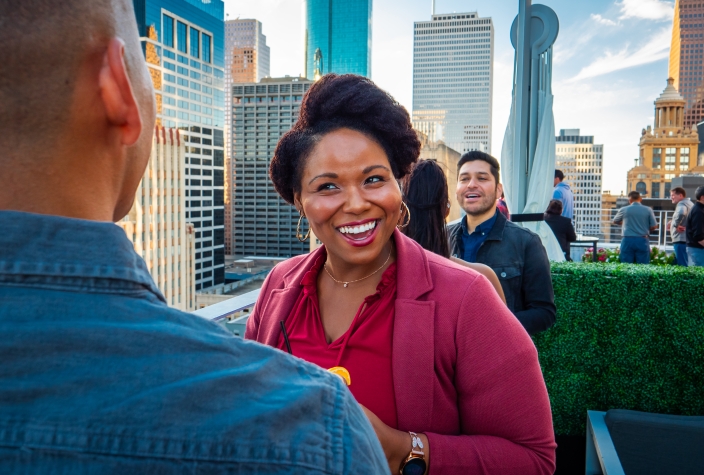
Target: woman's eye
pixel 374 179
pixel 326 186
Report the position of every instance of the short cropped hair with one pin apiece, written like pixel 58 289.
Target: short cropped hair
pixel 559 174
pixel 634 195
pixel 679 191
pixel 344 101
pixel 554 207
pixel 484 157
pixel 699 193
pixel 43 43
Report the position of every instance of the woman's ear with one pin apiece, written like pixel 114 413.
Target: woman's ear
pixel 447 210
pixel 297 202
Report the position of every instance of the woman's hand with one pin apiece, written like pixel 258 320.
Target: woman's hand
pixel 396 444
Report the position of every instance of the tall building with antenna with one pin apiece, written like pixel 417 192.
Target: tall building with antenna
pixel 453 79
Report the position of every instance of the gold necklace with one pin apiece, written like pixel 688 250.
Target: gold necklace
pixel 345 284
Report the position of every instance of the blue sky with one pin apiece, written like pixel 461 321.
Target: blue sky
pixel 611 61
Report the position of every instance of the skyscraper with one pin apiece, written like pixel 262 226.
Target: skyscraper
pixel 246 60
pixel 452 80
pixel 157 225
pixel 687 58
pixel 338 37
pixel 184 46
pixel 263 224
pixel 582 163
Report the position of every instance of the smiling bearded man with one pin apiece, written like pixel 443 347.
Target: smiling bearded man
pixel 516 254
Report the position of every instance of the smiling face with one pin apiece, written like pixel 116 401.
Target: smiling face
pixel 350 196
pixel 477 189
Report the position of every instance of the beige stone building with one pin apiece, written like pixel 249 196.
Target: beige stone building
pixel 157 225
pixel 667 150
pixel 447 158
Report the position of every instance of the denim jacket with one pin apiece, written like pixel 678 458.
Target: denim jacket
pixel 98 375
pixel 519 259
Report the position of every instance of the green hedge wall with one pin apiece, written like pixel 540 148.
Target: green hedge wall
pixel 627 336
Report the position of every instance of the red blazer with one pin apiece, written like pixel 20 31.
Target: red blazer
pixel 465 372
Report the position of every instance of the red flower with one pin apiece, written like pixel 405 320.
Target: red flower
pixel 602 258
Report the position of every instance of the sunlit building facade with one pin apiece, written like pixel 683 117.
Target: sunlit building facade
pixel 337 37
pixel 183 42
pixel 263 224
pixel 687 58
pixel 157 225
pixel 453 58
pixel 581 160
pixel 247 59
pixel 667 150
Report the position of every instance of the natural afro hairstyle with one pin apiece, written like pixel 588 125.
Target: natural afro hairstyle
pixel 344 101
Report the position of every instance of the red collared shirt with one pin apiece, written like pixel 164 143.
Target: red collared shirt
pixel 364 349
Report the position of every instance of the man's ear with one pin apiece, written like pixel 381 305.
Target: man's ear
pixel 121 108
pixel 499 190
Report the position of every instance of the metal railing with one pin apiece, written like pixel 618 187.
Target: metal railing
pixel 599 223
pixel 232 313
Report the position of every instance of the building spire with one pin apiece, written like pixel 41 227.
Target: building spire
pixel 433 7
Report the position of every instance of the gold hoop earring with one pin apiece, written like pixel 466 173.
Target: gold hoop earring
pixel 298 230
pixel 407 221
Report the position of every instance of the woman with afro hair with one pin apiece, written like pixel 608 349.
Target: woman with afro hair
pixel 447 375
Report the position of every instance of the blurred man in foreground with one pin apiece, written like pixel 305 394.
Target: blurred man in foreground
pixel 98 375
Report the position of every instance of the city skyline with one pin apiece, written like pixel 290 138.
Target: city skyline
pixel 614 52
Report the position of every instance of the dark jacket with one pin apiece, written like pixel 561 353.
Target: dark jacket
pixel 519 259
pixel 563 230
pixel 695 226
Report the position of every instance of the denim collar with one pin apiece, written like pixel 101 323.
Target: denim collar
pixel 35 245
pixel 483 228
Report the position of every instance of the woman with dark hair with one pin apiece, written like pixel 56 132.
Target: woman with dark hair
pixel 446 374
pixel 428 199
pixel 561 226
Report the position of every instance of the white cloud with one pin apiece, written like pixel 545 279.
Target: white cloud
pixel 604 21
pixel 646 9
pixel 656 49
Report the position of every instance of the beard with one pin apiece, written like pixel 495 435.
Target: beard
pixel 486 203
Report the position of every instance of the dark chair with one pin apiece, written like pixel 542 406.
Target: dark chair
pixel 622 442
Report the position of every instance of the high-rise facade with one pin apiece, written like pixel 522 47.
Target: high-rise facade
pixel 667 150
pixel 183 43
pixel 687 58
pixel 247 59
pixel 157 224
pixel 582 163
pixel 263 224
pixel 453 57
pixel 338 37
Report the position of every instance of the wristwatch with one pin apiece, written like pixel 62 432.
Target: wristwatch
pixel 415 462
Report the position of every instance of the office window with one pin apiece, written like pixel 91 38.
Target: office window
pixel 670 157
pixel 684 159
pixel 656 190
pixel 168 34
pixel 206 48
pixel 181 36
pixel 195 43
pixel 657 158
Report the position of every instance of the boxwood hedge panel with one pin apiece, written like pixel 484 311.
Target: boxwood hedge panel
pixel 627 336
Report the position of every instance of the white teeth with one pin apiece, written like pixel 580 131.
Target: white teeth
pixel 357 229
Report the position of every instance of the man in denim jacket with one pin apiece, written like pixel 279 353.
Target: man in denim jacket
pixel 98 375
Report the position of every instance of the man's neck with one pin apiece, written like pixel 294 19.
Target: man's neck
pixel 474 221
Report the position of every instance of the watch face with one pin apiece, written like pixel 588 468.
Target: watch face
pixel 414 467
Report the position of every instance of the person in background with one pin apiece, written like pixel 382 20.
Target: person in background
pixel 561 227
pixel 695 230
pixel 448 377
pixel 514 253
pixel 637 221
pixel 563 194
pixel 98 374
pixel 503 207
pixel 427 196
pixel 683 204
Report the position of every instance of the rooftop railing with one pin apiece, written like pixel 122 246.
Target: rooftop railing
pixel 599 223
pixel 232 313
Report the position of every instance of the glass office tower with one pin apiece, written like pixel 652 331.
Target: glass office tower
pixel 338 37
pixel 453 56
pixel 183 43
pixel 687 58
